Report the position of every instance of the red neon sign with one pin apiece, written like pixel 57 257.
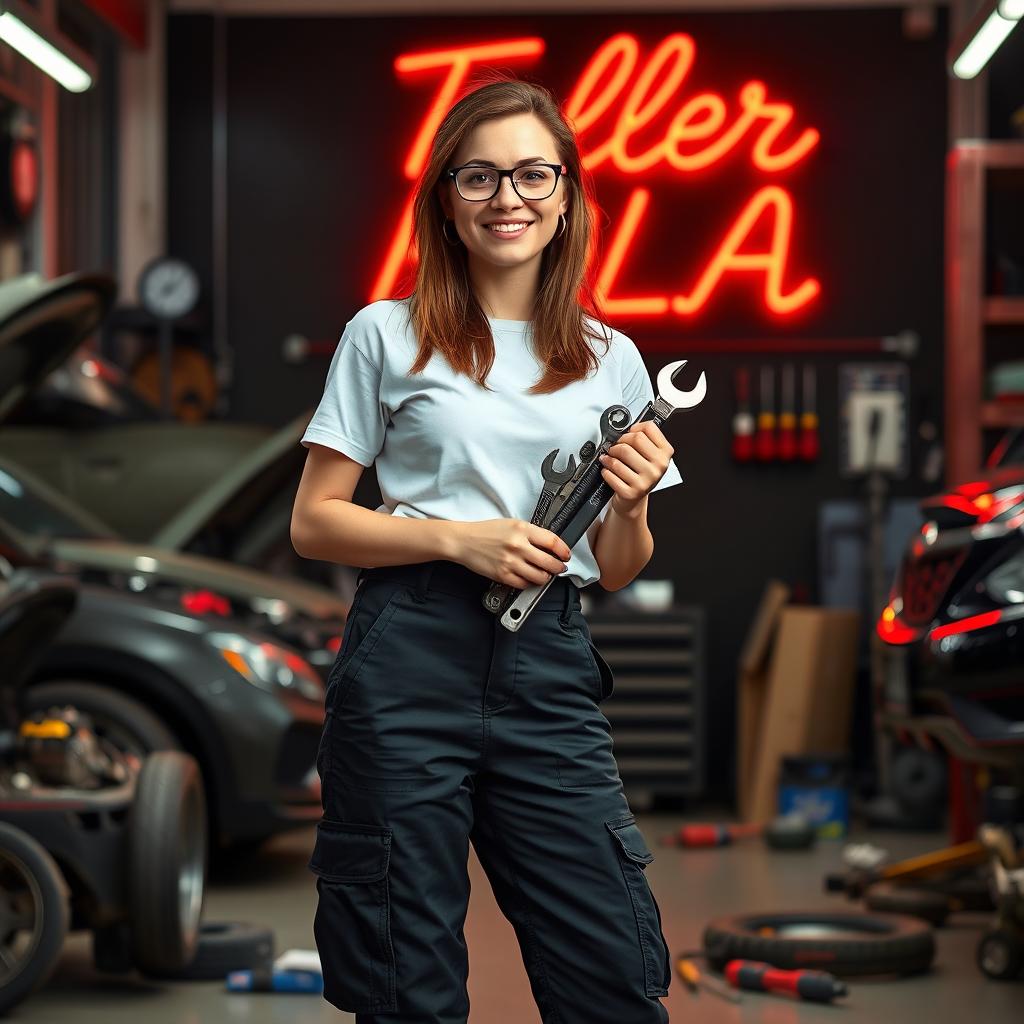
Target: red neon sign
pixel 695 138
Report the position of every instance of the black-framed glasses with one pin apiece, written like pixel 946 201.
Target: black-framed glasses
pixel 478 182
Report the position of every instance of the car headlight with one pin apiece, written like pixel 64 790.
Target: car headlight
pixel 1005 583
pixel 269 666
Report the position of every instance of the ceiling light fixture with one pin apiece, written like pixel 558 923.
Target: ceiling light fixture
pixel 48 57
pixel 984 35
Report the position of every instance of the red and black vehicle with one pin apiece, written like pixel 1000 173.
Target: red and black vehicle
pixel 953 629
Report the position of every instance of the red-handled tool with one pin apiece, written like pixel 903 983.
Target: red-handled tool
pixel 764 440
pixel 743 421
pixel 818 986
pixel 694 978
pixel 787 415
pixel 809 444
pixel 694 836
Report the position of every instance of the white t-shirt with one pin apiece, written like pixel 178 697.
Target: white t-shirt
pixel 446 448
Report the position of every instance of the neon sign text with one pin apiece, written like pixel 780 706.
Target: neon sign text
pixel 615 85
pixel 697 120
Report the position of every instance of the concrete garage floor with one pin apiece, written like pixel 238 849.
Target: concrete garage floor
pixel 691 886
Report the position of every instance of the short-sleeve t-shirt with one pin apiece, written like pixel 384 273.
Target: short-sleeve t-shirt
pixel 446 448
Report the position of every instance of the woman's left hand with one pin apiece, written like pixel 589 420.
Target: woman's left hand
pixel 635 464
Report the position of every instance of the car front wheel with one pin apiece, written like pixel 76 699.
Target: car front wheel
pixel 120 720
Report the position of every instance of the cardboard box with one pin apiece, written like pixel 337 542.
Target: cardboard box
pixel 752 685
pixel 804 706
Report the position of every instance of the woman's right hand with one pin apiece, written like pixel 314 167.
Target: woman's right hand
pixel 511 551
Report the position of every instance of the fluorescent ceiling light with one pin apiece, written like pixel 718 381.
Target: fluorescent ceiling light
pixel 996 27
pixel 43 54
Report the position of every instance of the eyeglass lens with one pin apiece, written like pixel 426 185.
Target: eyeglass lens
pixel 531 182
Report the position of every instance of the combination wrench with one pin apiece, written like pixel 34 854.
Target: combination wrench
pixel 570 523
pixel 561 488
pixel 554 480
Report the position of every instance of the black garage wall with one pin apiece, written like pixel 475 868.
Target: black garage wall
pixel 319 124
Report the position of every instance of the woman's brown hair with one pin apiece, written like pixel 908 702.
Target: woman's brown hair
pixel 445 312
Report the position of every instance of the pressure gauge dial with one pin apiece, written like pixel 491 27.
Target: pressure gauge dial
pixel 168 288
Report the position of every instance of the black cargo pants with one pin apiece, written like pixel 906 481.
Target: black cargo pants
pixel 444 728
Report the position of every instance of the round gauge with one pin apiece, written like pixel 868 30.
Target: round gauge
pixel 168 288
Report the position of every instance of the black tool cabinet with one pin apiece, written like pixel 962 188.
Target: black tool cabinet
pixel 657 709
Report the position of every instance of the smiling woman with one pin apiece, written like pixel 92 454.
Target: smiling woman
pixel 441 724
pixel 505 213
pixel 489 214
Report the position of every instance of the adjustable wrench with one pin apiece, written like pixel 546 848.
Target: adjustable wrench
pixel 570 523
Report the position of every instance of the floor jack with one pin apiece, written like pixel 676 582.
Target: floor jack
pixel 857 881
pixel 1000 951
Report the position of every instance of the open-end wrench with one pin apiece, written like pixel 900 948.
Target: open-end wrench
pixel 569 489
pixel 554 479
pixel 611 425
pixel 668 399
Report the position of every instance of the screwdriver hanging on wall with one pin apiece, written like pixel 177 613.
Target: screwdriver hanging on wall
pixel 809 442
pixel 787 415
pixel 743 420
pixel 764 442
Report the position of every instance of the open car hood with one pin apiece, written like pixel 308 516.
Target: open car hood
pixel 260 474
pixel 42 322
pixel 195 571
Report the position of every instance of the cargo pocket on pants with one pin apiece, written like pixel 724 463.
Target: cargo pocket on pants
pixel 352 926
pixel 633 859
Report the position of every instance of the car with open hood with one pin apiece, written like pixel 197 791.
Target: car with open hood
pixel 40 323
pixel 164 650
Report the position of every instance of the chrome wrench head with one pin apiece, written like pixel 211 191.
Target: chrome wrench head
pixel 672 395
pixel 557 476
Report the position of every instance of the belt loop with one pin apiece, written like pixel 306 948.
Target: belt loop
pixel 567 602
pixel 422 580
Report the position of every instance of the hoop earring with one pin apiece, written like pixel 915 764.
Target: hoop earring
pixel 561 218
pixel 444 231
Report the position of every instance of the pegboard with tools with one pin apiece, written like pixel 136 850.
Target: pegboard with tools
pixel 776 436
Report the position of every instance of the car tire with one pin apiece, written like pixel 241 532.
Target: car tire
pixel 859 943
pixel 226 946
pixel 918 781
pixel 123 721
pixel 166 863
pixel 25 863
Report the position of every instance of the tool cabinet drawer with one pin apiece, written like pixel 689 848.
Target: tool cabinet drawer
pixel 657 709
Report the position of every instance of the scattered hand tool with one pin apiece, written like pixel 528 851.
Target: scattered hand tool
pixel 591 494
pixel 816 986
pixel 743 421
pixel 809 442
pixel 764 440
pixel 693 978
pixel 786 832
pixel 787 415
pixel 696 836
